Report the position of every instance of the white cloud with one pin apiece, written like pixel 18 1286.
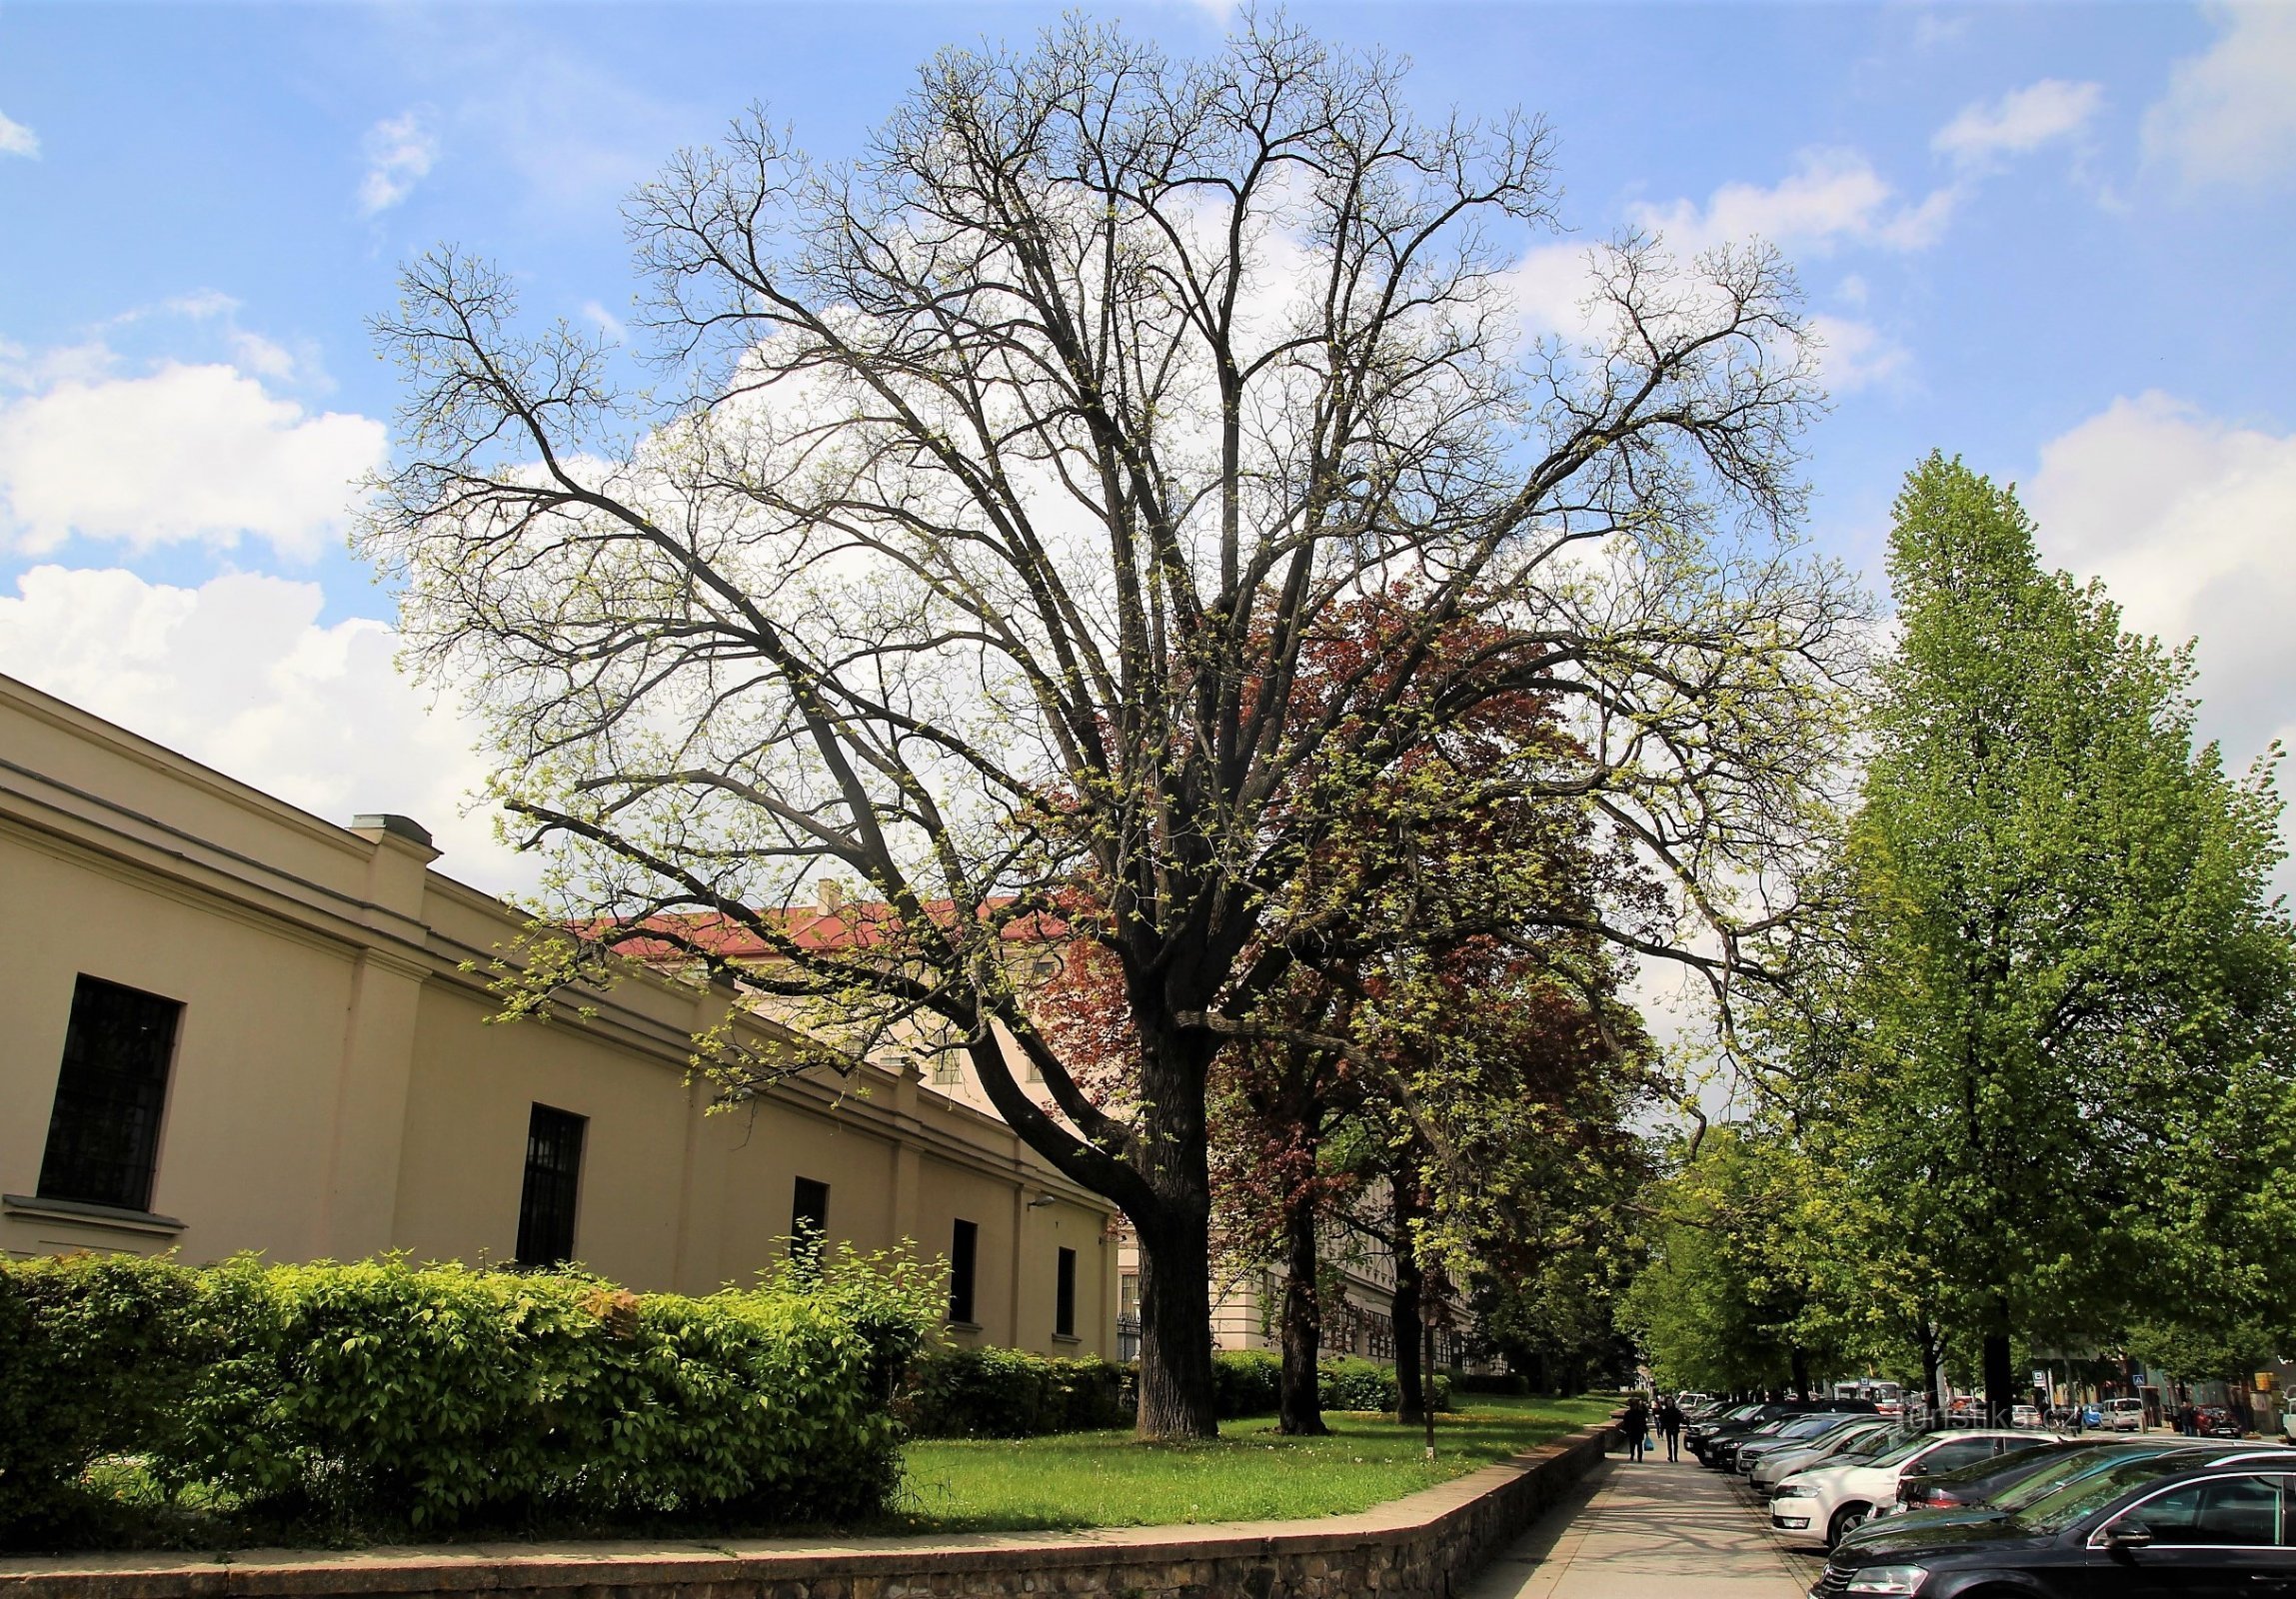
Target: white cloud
pixel 16 139
pixel 1856 355
pixel 2230 114
pixel 400 151
pixel 240 674
pixel 2192 525
pixel 2021 120
pixel 262 356
pixel 186 453
pixel 1833 197
pixel 605 321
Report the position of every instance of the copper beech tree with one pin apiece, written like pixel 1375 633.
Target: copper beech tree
pixel 1026 454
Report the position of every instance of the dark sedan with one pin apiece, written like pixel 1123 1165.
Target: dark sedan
pixel 1979 1483
pixel 2151 1525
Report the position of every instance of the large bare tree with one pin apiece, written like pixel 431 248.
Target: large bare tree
pixel 1025 459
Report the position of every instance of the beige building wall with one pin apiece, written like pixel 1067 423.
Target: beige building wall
pixel 336 1091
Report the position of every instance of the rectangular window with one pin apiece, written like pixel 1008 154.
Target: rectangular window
pixel 963 1252
pixel 104 1130
pixel 553 1186
pixel 1065 1296
pixel 809 1218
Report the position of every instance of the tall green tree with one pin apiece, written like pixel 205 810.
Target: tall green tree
pixel 2061 986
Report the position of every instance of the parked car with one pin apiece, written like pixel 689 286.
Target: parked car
pixel 2019 1486
pixel 2217 1421
pixel 1696 1432
pixel 1977 1484
pixel 1828 1501
pixel 2121 1415
pixel 1863 1441
pixel 2024 1416
pixel 2153 1525
pixel 1788 1432
pixel 1708 1448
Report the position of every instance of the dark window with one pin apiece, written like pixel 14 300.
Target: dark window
pixel 104 1132
pixel 553 1184
pixel 2218 1511
pixel 809 1218
pixel 1065 1296
pixel 963 1251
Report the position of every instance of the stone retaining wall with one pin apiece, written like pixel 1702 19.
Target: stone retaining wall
pixel 1421 1547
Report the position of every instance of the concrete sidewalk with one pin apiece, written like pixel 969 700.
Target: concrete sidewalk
pixel 1645 1531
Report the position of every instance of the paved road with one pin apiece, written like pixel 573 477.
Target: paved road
pixel 1649 1531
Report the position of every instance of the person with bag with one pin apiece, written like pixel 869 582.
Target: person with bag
pixel 1636 1425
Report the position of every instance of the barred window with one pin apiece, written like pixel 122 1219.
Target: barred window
pixel 552 1188
pixel 964 1256
pixel 104 1130
pixel 1065 1294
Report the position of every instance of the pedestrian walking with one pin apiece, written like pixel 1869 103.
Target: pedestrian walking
pixel 1670 1426
pixel 1636 1425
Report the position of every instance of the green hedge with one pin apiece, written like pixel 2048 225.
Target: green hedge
pixel 1492 1382
pixel 1005 1393
pixel 383 1396
pixel 1247 1382
pixel 93 1361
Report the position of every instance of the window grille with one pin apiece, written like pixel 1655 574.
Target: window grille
pixel 963 1252
pixel 809 1218
pixel 104 1128
pixel 553 1186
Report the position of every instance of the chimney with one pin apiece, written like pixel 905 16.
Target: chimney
pixel 831 890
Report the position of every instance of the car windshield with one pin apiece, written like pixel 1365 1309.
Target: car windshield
pixel 1905 1450
pixel 2063 1470
pixel 1864 1445
pixel 1809 1426
pixel 2086 1495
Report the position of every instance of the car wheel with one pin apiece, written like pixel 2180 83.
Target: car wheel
pixel 1845 1521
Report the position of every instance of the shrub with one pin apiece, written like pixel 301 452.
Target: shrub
pixel 93 1359
pixel 1007 1393
pixel 1348 1382
pixel 1492 1382
pixel 1246 1383
pixel 1249 1383
pixel 383 1396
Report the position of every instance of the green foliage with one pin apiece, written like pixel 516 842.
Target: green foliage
pixel 1009 1393
pixel 1247 1382
pixel 1744 1288
pixel 2051 1039
pixel 91 1358
pixel 382 1397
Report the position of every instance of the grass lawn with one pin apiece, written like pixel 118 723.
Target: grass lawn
pixel 1108 1479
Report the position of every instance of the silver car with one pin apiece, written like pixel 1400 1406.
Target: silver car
pixel 1871 1437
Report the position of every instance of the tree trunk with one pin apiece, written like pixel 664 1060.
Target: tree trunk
pixel 1933 1341
pixel 1175 1387
pixel 2000 1376
pixel 1301 1401
pixel 1798 1357
pixel 1177 1394
pixel 1410 1288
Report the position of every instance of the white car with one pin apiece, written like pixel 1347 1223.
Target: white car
pixel 1861 1442
pixel 1827 1500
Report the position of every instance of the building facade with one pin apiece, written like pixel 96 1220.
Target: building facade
pixel 231 1025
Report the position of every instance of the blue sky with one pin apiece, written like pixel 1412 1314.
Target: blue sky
pixel 2056 239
